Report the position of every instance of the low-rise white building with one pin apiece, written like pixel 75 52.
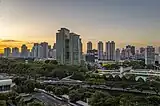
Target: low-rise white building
pixel 5 85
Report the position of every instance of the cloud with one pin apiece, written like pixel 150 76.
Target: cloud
pixel 10 41
pixel 13 43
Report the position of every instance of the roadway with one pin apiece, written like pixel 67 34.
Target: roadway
pixel 48 100
pixel 103 87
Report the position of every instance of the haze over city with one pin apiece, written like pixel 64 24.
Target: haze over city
pixel 134 22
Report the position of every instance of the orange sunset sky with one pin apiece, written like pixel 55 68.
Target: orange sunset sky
pixel 134 22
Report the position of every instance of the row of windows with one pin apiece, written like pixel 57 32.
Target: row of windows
pixel 5 88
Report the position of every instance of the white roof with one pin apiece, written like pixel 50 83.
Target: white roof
pixel 82 103
pixel 6 82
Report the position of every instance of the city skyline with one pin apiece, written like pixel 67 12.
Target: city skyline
pixel 125 22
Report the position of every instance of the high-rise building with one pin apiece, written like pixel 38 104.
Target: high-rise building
pixel 142 50
pixel 132 48
pixel 7 52
pixel 89 46
pixel 24 51
pixel 158 50
pixel 68 47
pixel 112 54
pixel 54 46
pixel 92 56
pixel 149 55
pixel 100 50
pixel 128 53
pixel 110 50
pixel 117 54
pixel 15 52
pixel 44 46
pixel 123 54
pixel 37 51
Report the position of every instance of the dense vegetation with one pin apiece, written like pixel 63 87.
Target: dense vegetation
pixel 27 75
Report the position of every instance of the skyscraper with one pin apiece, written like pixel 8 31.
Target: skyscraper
pixel 132 49
pixel 7 52
pixel 37 51
pixel 149 55
pixel 158 50
pixel 68 47
pixel 44 46
pixel 100 50
pixel 110 50
pixel 15 52
pixel 89 46
pixel 24 51
pixel 117 57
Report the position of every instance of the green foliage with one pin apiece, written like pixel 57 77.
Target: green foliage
pixel 78 76
pixel 111 66
pixel 98 99
pixel 74 95
pixel 35 103
pixel 3 103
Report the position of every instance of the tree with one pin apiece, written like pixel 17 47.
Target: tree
pixel 49 88
pixel 58 73
pixel 35 103
pixel 74 96
pixel 53 62
pixel 3 103
pixel 58 91
pixel 124 78
pixel 98 99
pixel 155 100
pixel 29 86
pixel 78 76
pixel 117 78
pixel 132 78
pixel 110 78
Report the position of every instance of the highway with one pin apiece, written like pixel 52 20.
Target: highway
pixel 48 100
pixel 103 87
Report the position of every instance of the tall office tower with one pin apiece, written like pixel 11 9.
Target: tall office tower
pixel 128 53
pixel 44 46
pixel 158 50
pixel 24 51
pixel 142 53
pixel 37 51
pixel 142 50
pixel 68 47
pixel 132 48
pixel 117 54
pixel 100 50
pixel 81 49
pixel 28 53
pixel 110 50
pixel 89 46
pixel 15 52
pixel 7 52
pixel 76 49
pixel 49 50
pixel 149 55
pixel 123 54
pixel 52 54
pixel 54 46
